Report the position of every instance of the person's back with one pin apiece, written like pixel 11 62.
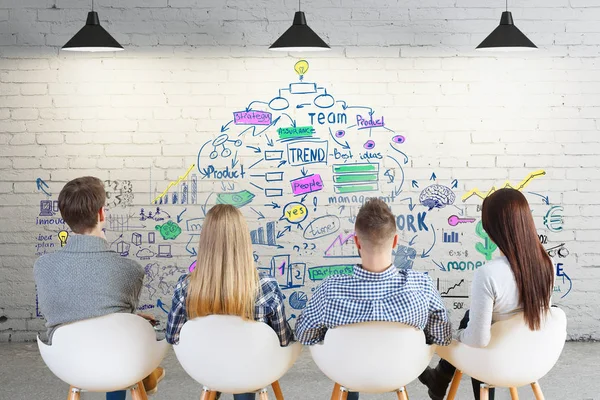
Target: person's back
pixel 376 290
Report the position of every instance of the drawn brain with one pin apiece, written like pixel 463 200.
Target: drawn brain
pixel 437 196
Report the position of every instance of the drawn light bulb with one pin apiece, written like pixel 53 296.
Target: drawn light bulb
pixel 62 236
pixel 301 67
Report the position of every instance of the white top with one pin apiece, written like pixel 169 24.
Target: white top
pixel 494 297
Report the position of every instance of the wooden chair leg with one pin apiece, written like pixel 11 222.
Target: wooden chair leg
pixel 212 395
pixel 484 392
pixel 138 392
pixel 335 394
pixel 402 394
pixel 343 393
pixel 206 393
pixel 514 393
pixel 537 391
pixel 263 395
pixel 74 394
pixel 455 384
pixel 277 390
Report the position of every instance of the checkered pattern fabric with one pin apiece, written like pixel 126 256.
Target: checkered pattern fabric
pixel 393 295
pixel 268 309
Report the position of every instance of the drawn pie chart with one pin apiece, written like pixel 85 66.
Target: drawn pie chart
pixel 298 300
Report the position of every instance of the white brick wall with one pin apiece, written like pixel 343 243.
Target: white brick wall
pixel 142 116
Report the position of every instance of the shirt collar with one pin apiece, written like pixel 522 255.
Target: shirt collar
pixel 85 244
pixel 361 273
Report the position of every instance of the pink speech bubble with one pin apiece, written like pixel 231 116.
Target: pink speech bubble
pixel 307 184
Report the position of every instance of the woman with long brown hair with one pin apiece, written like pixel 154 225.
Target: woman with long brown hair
pixel 520 281
pixel 226 282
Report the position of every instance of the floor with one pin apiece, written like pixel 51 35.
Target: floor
pixel 23 375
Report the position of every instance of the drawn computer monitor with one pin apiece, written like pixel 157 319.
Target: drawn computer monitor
pixel 46 208
pixel 164 250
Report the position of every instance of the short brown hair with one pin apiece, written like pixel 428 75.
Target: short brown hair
pixel 80 201
pixel 375 222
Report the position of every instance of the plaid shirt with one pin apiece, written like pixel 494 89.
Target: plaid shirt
pixel 393 295
pixel 268 309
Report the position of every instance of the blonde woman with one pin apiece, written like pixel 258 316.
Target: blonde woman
pixel 225 281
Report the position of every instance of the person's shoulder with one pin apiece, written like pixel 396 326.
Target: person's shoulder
pixel 496 267
pixel 417 276
pixel 44 263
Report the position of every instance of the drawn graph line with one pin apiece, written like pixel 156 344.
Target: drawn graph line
pixel 520 186
pixel 181 178
pixel 457 290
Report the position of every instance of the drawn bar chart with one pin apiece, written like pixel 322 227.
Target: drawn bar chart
pixel 180 192
pixel 353 178
pixel 258 235
pixel 456 289
pixel 450 237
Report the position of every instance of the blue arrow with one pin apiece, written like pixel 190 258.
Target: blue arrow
pixel 180 214
pixel 282 162
pixel 440 266
pixel 269 126
pixel 426 253
pixel 269 141
pixel 361 107
pixel 388 173
pixel 433 177
pixel 303 199
pixel 564 275
pixel 344 106
pixel 415 184
pixel 302 105
pixel 160 305
pixel 455 184
pixel 341 209
pixel 256 101
pixel 545 199
pixel 193 250
pixel 411 206
pixel 345 146
pixel 412 241
pixel 225 128
pixel 281 233
pixel 260 215
pixel 304 172
pixel 405 156
pixel 273 204
pixel 205 204
pixel 291 119
pixel 41 185
pixel 399 189
pixel 251 128
pixel 234 161
pixel 256 149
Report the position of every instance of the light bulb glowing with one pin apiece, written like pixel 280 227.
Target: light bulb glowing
pixel 301 67
pixel 62 236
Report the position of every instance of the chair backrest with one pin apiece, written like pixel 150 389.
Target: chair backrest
pixel 515 356
pixel 232 355
pixel 373 357
pixel 104 354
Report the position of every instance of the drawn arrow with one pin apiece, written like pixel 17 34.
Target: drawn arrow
pixel 344 146
pixel 440 266
pixel 455 184
pixel 234 161
pixel 223 187
pixel 260 215
pixel 41 185
pixel 275 121
pixel 269 141
pixel 415 184
pixel 433 177
pixel 281 233
pixel 460 210
pixel 545 199
pixel 282 162
pixel 302 105
pixel 412 241
pixel 180 214
pixel 192 252
pixel 199 153
pixel 425 254
pixel 303 199
pixel 401 152
pixel 205 204
pixel 304 172
pixel 160 305
pixel 293 121
pixel 249 108
pixel 225 128
pixel 273 204
pixel 251 128
pixel 256 149
pixel 411 206
pixel 231 185
pixel 345 106
pixel 388 173
pixel 399 189
pixel 341 209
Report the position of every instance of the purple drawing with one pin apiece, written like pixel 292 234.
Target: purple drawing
pixel 340 134
pixel 369 145
pixel 454 220
pixel 398 139
pixel 369 123
pixel 252 118
pixel 307 184
pixel 437 196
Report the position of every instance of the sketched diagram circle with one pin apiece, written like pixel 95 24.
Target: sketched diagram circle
pixel 437 196
pixel 298 300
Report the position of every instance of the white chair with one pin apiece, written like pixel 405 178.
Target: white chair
pixel 104 354
pixel 231 355
pixel 372 357
pixel 515 356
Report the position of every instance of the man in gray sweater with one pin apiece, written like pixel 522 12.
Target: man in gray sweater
pixel 85 279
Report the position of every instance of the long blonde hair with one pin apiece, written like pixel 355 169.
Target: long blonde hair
pixel 225 280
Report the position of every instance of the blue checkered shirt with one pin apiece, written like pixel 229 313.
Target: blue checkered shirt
pixel 393 295
pixel 268 309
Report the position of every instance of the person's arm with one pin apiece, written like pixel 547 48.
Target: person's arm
pixel 277 318
pixel 310 327
pixel 137 281
pixel 177 315
pixel 478 331
pixel 438 329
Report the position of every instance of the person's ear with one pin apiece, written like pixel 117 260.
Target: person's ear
pixel 395 242
pixel 101 215
pixel 356 241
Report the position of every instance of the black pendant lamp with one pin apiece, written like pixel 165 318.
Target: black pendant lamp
pixel 507 37
pixel 299 37
pixel 92 37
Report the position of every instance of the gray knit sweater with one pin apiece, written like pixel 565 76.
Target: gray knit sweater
pixel 84 280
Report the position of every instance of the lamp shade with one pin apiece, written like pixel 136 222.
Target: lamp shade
pixel 92 37
pixel 299 37
pixel 506 37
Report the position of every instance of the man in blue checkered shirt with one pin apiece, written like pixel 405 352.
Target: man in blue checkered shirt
pixel 377 290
